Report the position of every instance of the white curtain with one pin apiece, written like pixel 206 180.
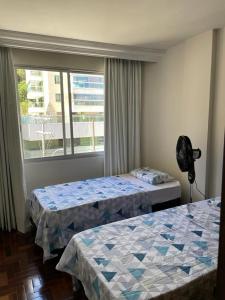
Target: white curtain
pixel 122 115
pixel 12 189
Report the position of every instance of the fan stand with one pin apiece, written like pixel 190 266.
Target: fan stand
pixel 191 179
pixel 190 198
pixel 190 192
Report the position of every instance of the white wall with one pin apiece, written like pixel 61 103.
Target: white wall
pixel 218 119
pixel 63 170
pixel 176 100
pixel 45 173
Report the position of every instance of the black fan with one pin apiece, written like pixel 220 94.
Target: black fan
pixel 186 157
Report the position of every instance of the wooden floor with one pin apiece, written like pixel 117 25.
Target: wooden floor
pixel 23 276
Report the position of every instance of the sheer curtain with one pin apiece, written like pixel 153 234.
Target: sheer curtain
pixel 12 188
pixel 122 115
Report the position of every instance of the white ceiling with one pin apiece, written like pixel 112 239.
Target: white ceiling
pixel 144 23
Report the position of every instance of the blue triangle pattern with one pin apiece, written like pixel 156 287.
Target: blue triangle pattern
pixel 87 242
pixel 139 256
pixel 96 229
pixel 109 246
pixel 162 249
pixel 51 247
pixel 120 212
pixel 102 260
pixel 137 273
pixel 168 236
pixel 132 227
pixel 140 207
pixel 190 216
pixel 169 225
pixel 201 244
pixel 73 260
pixel 207 260
pixel 96 287
pixel 148 222
pixel 108 275
pixel 198 232
pixel 96 205
pixel 131 295
pixel 179 246
pixel 217 223
pixel 186 269
pixel 71 226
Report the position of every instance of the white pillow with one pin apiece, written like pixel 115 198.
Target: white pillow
pixel 151 176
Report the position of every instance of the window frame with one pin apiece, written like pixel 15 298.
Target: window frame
pixel 61 71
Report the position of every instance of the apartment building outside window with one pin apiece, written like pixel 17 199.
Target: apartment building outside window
pixel 62 113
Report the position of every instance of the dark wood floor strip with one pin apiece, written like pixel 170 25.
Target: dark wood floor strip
pixel 23 276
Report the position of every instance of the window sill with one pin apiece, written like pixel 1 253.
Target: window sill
pixel 65 157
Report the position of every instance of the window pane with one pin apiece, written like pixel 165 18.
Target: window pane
pixel 87 92
pixel 57 79
pixel 41 113
pixel 58 97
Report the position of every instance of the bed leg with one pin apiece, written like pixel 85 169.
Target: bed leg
pixel 76 284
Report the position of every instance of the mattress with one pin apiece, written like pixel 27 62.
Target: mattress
pixel 170 254
pixel 159 193
pixel 60 211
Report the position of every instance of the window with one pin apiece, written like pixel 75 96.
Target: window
pixel 60 119
pixel 88 99
pixel 35 86
pixel 57 79
pixel 58 97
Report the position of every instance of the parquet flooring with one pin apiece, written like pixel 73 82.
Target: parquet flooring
pixel 23 276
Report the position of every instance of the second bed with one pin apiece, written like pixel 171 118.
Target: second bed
pixel 171 254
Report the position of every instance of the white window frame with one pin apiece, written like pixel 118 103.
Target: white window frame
pixel 61 71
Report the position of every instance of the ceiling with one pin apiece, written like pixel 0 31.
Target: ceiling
pixel 155 24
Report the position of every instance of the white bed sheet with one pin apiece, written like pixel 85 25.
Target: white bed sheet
pixel 159 193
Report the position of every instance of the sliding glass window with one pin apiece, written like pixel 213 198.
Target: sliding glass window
pixel 62 113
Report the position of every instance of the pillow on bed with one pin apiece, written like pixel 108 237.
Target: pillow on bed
pixel 151 176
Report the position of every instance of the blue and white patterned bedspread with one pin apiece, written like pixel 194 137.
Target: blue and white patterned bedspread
pixel 149 256
pixel 60 211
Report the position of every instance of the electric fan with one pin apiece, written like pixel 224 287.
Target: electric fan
pixel 186 157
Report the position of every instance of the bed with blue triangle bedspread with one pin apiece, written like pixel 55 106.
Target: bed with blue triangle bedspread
pixel 170 254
